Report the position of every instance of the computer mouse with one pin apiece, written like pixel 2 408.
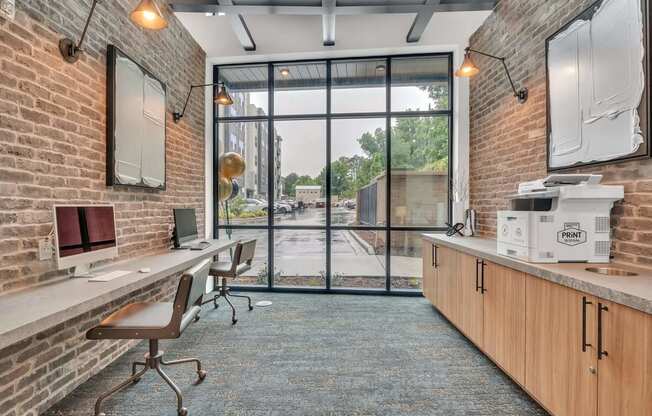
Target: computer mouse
pixel 145 270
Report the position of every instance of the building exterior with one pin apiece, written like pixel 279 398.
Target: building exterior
pixel 308 194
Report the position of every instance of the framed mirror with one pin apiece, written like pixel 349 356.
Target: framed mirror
pixel 598 86
pixel 136 124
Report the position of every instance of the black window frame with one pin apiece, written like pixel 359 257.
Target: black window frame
pixel 388 114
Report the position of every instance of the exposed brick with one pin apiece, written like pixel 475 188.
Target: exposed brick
pixel 508 140
pixel 53 150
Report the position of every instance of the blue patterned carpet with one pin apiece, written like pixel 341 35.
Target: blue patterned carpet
pixel 323 355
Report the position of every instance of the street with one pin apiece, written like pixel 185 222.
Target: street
pixel 301 254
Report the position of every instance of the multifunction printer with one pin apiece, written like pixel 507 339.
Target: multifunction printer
pixel 562 218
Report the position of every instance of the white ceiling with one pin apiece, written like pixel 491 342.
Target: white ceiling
pixel 293 36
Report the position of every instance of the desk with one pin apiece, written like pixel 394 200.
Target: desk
pixel 30 311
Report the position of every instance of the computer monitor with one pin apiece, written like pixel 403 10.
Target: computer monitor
pixel 84 234
pixel 185 226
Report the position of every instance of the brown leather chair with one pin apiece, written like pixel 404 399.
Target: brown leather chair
pixel 156 321
pixel 222 270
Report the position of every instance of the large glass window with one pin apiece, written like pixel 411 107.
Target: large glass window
pixel 347 164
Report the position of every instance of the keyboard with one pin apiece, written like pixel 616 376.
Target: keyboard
pixel 107 277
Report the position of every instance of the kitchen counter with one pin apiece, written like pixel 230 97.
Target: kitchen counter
pixel 632 291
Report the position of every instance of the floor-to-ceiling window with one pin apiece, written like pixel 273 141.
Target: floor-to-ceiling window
pixel 347 164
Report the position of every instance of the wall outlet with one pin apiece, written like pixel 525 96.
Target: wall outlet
pixel 45 249
pixel 8 9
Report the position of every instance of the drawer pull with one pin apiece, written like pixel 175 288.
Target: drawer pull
pixel 601 352
pixel 584 304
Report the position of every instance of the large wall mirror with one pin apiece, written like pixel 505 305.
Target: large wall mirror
pixel 598 86
pixel 136 117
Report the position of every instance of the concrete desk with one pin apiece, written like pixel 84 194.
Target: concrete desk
pixel 28 312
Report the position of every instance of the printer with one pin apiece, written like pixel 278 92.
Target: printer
pixel 562 218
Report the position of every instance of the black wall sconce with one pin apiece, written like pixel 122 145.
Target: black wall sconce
pixel 222 97
pixel 146 15
pixel 470 69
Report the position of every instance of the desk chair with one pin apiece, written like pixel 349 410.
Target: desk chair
pixel 155 321
pixel 222 270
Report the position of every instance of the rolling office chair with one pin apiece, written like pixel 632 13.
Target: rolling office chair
pixel 222 270
pixel 154 321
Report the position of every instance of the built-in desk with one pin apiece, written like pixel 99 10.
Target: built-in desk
pixel 28 312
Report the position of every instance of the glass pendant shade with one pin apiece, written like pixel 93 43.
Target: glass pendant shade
pixel 468 68
pixel 148 16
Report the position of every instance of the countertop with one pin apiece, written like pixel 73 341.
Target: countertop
pixel 30 311
pixel 632 291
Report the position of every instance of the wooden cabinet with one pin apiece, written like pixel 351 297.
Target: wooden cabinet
pixel 471 317
pixel 429 271
pixel 448 295
pixel 560 344
pixel 547 336
pixel 504 318
pixel 625 367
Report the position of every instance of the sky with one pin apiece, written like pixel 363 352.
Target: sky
pixel 303 148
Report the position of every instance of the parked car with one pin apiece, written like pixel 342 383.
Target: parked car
pixel 282 208
pixel 320 203
pixel 253 205
pixel 350 204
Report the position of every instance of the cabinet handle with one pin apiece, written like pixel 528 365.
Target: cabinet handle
pixel 601 352
pixel 435 252
pixel 482 266
pixel 584 304
pixel 477 275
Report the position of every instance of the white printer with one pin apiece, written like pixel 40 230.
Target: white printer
pixel 562 218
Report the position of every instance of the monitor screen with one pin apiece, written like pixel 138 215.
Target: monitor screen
pixel 185 224
pixel 84 229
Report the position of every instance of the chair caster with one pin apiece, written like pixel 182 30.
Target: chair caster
pixel 251 308
pixel 183 412
pixel 197 318
pixel 233 322
pixel 201 374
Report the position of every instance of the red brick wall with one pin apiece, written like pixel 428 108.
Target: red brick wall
pixel 52 130
pixel 52 150
pixel 508 140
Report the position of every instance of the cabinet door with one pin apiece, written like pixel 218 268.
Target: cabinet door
pixel 447 292
pixel 471 298
pixel 504 318
pixel 625 369
pixel 560 347
pixel 427 251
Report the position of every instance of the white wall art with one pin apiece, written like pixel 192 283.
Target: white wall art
pixel 596 86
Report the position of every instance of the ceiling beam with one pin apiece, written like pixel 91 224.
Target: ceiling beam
pixel 328 22
pixel 421 21
pixel 240 28
pixel 207 6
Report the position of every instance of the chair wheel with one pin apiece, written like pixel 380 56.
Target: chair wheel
pixel 201 374
pixel 196 318
pixel 183 412
pixel 251 308
pixel 235 321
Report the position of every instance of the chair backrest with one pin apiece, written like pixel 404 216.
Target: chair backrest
pixel 191 288
pixel 246 253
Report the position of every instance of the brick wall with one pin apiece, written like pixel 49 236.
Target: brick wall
pixel 52 150
pixel 52 129
pixel 508 140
